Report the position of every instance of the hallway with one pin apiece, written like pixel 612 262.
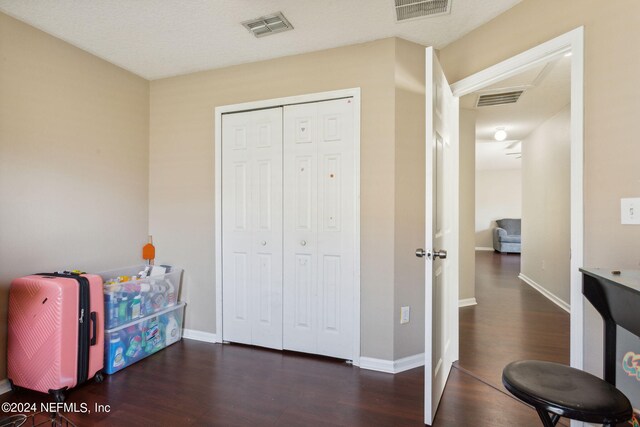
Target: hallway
pixel 512 321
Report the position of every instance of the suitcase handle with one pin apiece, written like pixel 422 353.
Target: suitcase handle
pixel 94 322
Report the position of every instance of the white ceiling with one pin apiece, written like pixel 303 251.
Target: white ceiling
pixel 161 38
pixel 548 91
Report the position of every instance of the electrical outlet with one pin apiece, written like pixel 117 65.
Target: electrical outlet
pixel 405 313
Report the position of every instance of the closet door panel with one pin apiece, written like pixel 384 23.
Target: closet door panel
pixel 319 228
pixel 267 225
pixel 252 227
pixel 300 228
pixel 288 238
pixel 336 228
pixel 236 235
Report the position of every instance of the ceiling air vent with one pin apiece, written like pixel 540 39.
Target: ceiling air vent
pixel 501 98
pixel 413 9
pixel 266 25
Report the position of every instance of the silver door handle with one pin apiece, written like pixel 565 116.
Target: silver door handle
pixel 421 253
pixel 303 243
pixel 442 254
pixel 263 243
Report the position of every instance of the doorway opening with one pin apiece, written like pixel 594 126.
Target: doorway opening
pixel 516 304
pixel 570 43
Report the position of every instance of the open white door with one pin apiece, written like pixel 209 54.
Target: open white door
pixel 441 237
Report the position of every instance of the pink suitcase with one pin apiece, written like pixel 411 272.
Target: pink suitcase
pixel 55 332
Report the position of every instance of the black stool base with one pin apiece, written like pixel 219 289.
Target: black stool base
pixel 548 420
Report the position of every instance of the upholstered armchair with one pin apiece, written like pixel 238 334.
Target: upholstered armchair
pixel 506 236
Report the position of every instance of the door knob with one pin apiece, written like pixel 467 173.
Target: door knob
pixel 421 253
pixel 263 243
pixel 442 254
pixel 303 243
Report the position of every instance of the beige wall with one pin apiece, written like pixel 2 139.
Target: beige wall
pixel 182 170
pixel 409 196
pixel 73 160
pixel 546 210
pixel 82 123
pixel 498 195
pixel 610 116
pixel 467 205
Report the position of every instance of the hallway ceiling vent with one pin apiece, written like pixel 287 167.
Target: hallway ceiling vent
pixel 414 9
pixel 267 25
pixel 501 98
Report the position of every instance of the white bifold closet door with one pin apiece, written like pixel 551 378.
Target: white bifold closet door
pixel 252 227
pixel 319 228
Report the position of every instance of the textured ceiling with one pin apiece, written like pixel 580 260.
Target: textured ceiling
pixel 549 92
pixel 161 38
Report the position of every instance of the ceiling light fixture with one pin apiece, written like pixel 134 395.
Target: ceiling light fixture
pixel 500 134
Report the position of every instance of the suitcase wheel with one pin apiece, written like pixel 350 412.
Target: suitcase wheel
pixel 99 377
pixel 58 395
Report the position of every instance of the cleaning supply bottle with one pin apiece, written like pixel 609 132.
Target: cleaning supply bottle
pixel 171 293
pixel 136 307
pixel 148 303
pixel 123 309
pixel 115 308
pixel 172 333
pixel 133 342
pixel 109 301
pixel 135 347
pixel 144 299
pixel 153 340
pixel 158 301
pixel 116 353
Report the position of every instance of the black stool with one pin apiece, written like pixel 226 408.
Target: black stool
pixel 556 390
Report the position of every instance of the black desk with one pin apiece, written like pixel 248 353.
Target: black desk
pixel 617 299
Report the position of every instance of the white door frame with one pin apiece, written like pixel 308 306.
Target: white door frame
pixel 279 102
pixel 573 42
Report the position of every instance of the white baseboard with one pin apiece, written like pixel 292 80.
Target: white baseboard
pixel 484 248
pixel 192 334
pixel 467 302
pixel 392 366
pixel 380 365
pixel 551 297
pixel 5 386
pixel 408 362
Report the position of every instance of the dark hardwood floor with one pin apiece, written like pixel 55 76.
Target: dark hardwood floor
pixel 512 321
pixel 199 384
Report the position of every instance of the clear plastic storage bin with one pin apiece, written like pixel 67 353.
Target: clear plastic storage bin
pixel 126 344
pixel 127 298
